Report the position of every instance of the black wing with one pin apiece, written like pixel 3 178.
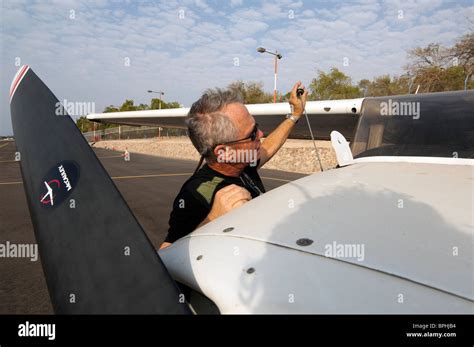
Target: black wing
pixel 95 255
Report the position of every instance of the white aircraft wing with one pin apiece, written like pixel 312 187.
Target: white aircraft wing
pixel 324 116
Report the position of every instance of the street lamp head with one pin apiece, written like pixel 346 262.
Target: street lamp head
pixel 152 91
pixel 261 50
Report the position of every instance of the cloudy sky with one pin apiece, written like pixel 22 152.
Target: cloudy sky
pixel 107 51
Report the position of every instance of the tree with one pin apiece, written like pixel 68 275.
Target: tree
pixel 364 85
pixel 463 51
pixel 252 92
pixel 127 106
pixel 111 108
pixel 173 104
pixel 142 107
pixel 155 104
pixel 333 85
pixel 433 55
pixel 84 124
pixel 436 68
pixel 285 97
pixel 385 85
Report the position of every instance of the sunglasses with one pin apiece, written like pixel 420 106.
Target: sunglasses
pixel 252 136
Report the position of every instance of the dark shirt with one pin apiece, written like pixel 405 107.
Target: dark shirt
pixel 194 201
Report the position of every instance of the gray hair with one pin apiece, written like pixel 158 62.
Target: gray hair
pixel 208 126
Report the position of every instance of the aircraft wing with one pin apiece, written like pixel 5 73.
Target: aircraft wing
pixel 95 255
pixel 324 117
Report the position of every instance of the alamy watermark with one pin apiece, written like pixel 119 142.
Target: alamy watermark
pixel 75 108
pixel 400 108
pixel 229 155
pixel 12 250
pixel 28 329
pixel 345 250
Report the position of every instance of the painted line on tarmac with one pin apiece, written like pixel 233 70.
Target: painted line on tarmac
pixel 121 177
pixel 112 156
pixel 13 161
pixel 9 183
pixel 146 176
pixel 150 176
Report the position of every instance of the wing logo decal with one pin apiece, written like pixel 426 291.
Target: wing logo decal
pixel 49 192
pixel 58 183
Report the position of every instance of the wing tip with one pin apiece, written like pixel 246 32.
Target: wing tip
pixel 17 79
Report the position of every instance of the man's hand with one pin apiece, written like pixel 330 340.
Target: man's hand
pixel 164 245
pixel 298 103
pixel 228 198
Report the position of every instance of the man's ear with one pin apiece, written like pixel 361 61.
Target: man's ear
pixel 220 153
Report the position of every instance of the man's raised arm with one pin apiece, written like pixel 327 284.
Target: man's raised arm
pixel 277 137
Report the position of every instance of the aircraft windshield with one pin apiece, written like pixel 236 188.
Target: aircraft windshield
pixel 429 125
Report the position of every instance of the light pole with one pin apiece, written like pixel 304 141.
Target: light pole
pixel 161 94
pixel 277 56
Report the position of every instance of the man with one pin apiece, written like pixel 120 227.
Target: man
pixel 228 139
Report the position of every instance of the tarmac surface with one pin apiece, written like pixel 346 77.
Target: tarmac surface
pixel 149 185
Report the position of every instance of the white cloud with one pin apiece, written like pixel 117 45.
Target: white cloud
pixel 308 13
pixel 202 5
pixel 235 3
pixel 249 14
pixel 244 28
pixel 273 11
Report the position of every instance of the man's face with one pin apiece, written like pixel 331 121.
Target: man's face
pixel 245 124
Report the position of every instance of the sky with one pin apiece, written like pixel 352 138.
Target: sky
pixel 104 52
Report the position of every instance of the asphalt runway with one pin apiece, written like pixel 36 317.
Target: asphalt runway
pixel 149 185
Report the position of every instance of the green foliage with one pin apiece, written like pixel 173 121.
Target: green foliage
pixel 84 124
pixel 436 68
pixel 142 107
pixel 155 104
pixel 285 97
pixel 332 85
pixel 252 92
pixel 111 108
pixel 127 106
pixel 453 79
pixel 438 79
pixel 173 104
pixel 384 85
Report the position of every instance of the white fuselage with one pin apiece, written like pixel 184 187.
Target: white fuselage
pixel 377 236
